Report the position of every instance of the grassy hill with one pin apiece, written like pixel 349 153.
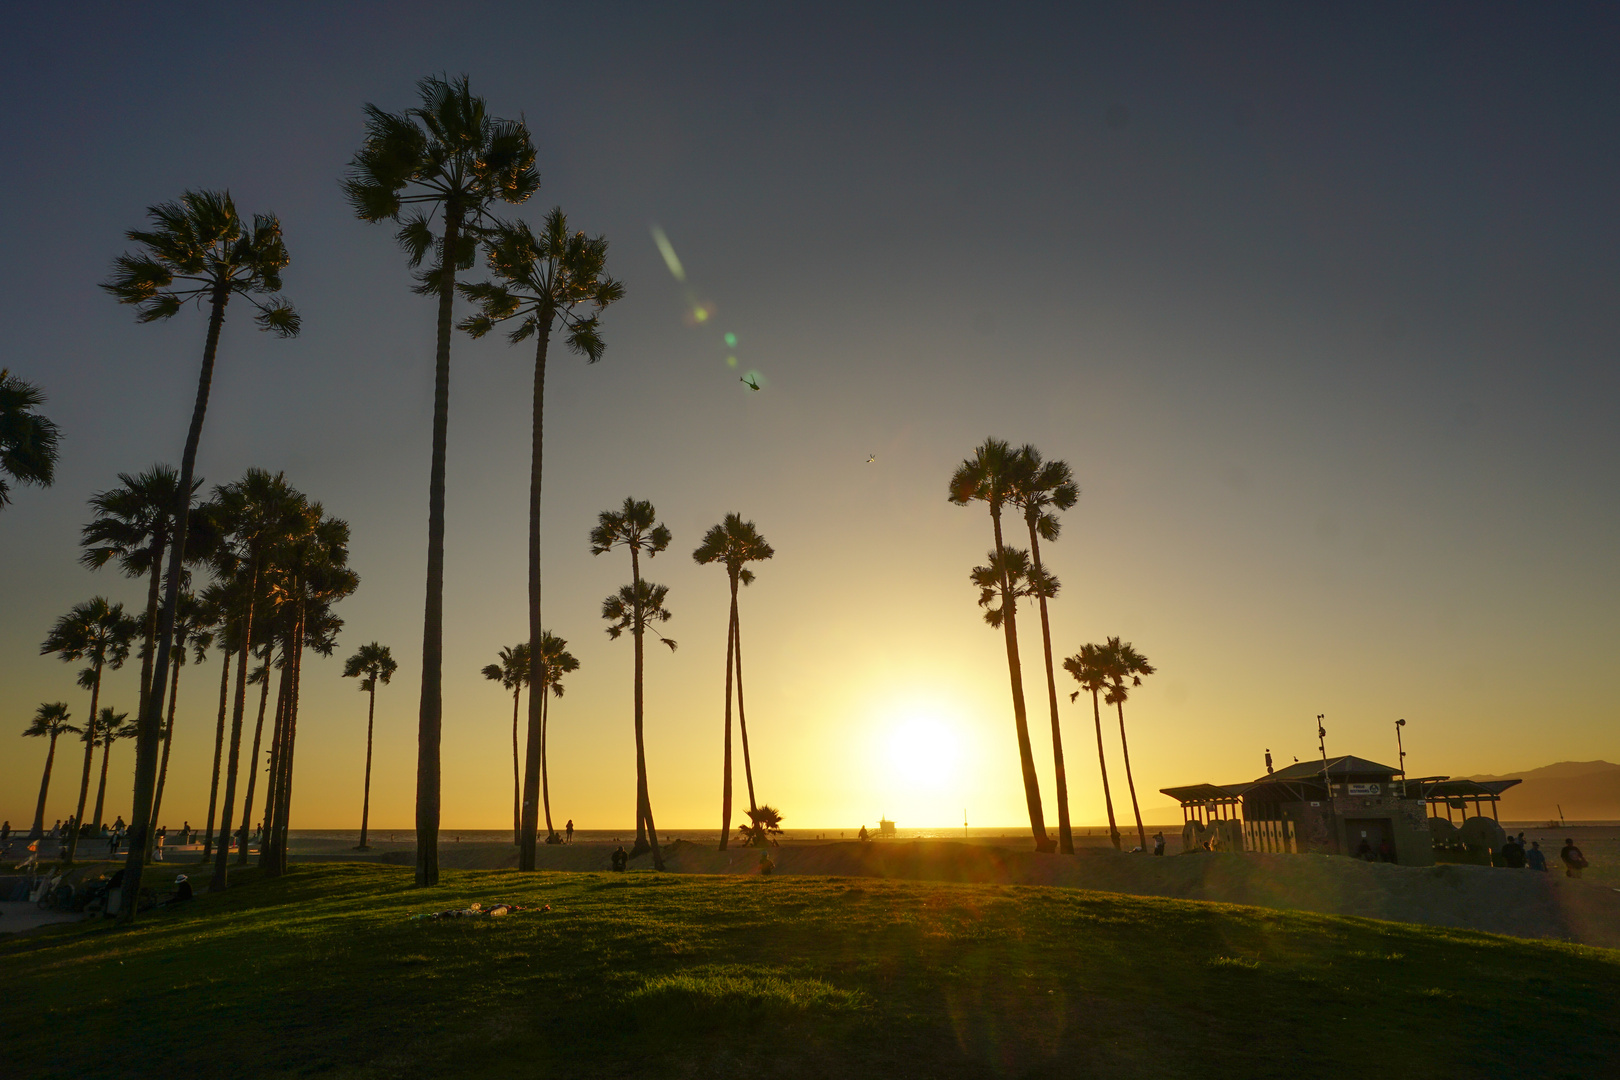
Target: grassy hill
pixel 328 972
pixel 1587 791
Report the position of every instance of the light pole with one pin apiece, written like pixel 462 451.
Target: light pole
pixel 1400 747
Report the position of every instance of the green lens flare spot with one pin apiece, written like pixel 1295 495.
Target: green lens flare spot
pixel 731 361
pixel 731 341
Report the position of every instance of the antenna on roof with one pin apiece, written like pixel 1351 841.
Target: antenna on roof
pixel 1400 747
pixel 1321 735
pixel 1268 761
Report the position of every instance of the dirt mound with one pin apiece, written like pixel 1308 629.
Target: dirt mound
pixel 1518 902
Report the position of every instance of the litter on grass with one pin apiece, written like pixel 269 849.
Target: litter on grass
pixel 478 911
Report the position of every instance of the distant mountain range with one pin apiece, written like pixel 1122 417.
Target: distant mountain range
pixel 1586 790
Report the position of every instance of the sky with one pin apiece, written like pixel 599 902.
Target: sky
pixel 1318 304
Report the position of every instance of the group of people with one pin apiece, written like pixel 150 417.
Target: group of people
pixel 1515 855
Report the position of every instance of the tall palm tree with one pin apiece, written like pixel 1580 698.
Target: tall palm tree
pixel 191 630
pixel 637 608
pixel 198 250
pixel 371 664
pixel 1041 488
pixel 555 662
pixel 1122 662
pixel 100 632
pixel 221 602
pixel 50 721
pixel 989 476
pixel 513 674
pixel 635 526
pixel 28 440
pixel 542 282
pixel 110 727
pixel 736 543
pixel 1089 667
pixel 256 513
pixel 446 158
pixel 134 524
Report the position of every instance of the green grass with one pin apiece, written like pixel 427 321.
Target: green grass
pixel 326 973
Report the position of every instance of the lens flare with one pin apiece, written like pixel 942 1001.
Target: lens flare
pixel 731 341
pixel 667 250
pixel 731 361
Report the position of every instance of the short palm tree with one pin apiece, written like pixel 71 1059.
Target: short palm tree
pixel 110 727
pixel 556 661
pixel 1041 488
pixel 200 251
pixel 989 476
pixel 446 158
pixel 51 722
pixel 1122 662
pixel 735 543
pixel 1090 669
pixel 764 825
pixel 513 675
pixel 28 441
pixel 636 607
pixel 371 664
pixel 100 632
pixel 133 525
pixel 543 281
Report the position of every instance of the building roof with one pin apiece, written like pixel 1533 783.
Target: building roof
pixel 1337 767
pixel 1467 789
pixel 1203 793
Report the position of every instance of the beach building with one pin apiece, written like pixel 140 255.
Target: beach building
pixel 1334 806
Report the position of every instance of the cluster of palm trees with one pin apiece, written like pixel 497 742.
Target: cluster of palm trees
pixel 1002 477
pixel 277 564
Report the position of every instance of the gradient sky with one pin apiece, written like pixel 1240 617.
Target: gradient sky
pixel 1320 306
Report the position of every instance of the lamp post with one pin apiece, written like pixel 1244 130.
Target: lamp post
pixel 1401 748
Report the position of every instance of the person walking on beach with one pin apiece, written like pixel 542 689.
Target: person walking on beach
pixel 569 830
pixel 1574 861
pixel 157 847
pixel 1535 857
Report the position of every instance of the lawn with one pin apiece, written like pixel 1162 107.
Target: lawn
pixel 325 972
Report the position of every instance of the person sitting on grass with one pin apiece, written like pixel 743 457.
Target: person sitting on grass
pixel 182 892
pixel 621 859
pixel 765 864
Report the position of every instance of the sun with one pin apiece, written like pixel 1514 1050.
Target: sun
pixel 924 751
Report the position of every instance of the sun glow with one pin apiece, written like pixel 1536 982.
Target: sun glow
pixel 924 751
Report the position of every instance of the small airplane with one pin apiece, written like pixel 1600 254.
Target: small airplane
pixel 750 381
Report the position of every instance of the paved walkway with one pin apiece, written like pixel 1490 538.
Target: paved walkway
pixel 16 916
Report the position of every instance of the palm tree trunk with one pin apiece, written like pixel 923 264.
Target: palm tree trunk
pixel 725 768
pixel 1102 763
pixel 163 765
pixel 517 779
pixel 44 787
pixel 101 788
pixel 365 802
pixel 278 740
pixel 742 715
pixel 89 760
pixel 276 832
pixel 431 712
pixel 545 772
pixel 1141 833
pixel 1065 833
pixel 537 661
pixel 238 707
pixel 646 831
pixel 253 758
pixel 149 624
pixel 219 744
pixel 146 733
pixel 1015 672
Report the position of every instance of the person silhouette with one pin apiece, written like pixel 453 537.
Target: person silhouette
pixel 569 830
pixel 621 859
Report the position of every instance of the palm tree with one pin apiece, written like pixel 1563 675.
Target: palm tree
pixel 764 824
pixel 221 603
pixel 256 514
pixel 542 281
pixel 1041 488
pixel 635 526
pixel 513 674
pixel 27 439
pixel 556 661
pixel 989 476
pixel 448 158
pixel 637 608
pixel 134 524
pixel 191 623
pixel 50 721
pixel 1089 667
pixel 100 632
pixel 110 727
pixel 198 250
pixel 372 664
pixel 736 543
pixel 1122 661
